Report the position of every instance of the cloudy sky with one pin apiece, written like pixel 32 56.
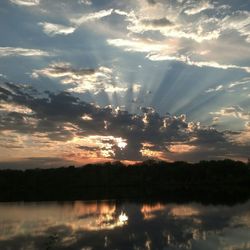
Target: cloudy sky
pixel 88 81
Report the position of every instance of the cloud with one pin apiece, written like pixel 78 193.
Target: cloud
pixel 149 46
pixel 26 2
pixel 181 31
pixel 231 86
pixel 54 123
pixel 238 20
pixel 63 70
pixel 161 22
pixel 243 137
pixel 82 80
pixel 14 51
pixel 244 81
pixel 10 107
pixel 237 112
pixel 200 64
pixel 86 2
pixel 52 29
pixel 167 51
pixel 90 17
pixel 169 23
pixel 234 111
pixel 198 7
pixel 151 1
pixel 213 64
pixel 136 87
pixel 200 34
pixel 216 89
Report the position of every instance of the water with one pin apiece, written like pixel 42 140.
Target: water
pixel 123 225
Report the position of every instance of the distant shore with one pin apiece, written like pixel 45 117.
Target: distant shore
pixel 223 181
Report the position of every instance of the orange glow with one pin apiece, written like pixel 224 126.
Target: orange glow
pixel 147 151
pixel 181 148
pixel 147 145
pixel 87 118
pixel 81 208
pixel 121 143
pixel 184 211
pixel 10 107
pixel 127 162
pixel 151 153
pixel 149 210
pixel 94 148
pixel 97 216
pixel 123 218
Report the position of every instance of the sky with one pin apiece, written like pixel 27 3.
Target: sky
pixel 84 81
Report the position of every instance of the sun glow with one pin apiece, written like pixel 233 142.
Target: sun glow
pixel 181 148
pixel 97 216
pixel 149 152
pixel 97 147
pixel 147 65
pixel 149 211
pixel 121 143
pixel 123 218
pixel 87 118
pixel 107 221
pixel 184 211
pixel 10 107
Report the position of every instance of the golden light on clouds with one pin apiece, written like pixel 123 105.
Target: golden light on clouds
pixel 181 148
pixel 87 118
pixel 10 107
pixel 117 83
pixel 99 148
pixel 149 152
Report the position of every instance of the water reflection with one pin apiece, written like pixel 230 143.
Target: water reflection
pixel 115 225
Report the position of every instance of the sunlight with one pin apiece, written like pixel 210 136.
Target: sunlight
pixel 87 117
pixel 121 143
pixel 123 218
pixel 181 148
pixel 184 211
pixel 120 119
pixel 9 107
pixel 150 211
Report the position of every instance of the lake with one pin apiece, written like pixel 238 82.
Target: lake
pixel 123 225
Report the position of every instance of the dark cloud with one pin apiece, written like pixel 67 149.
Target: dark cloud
pixel 157 22
pixel 65 69
pixel 60 117
pixel 81 80
pixel 151 1
pixel 87 148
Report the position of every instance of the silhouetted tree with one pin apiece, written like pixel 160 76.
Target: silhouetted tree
pixel 150 179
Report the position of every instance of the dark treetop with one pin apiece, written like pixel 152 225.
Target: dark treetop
pixel 206 181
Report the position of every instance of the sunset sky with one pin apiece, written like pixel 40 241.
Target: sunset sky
pixel 97 80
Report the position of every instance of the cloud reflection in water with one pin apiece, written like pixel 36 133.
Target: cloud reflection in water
pixel 114 225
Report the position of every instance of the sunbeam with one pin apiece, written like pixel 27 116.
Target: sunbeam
pixel 170 74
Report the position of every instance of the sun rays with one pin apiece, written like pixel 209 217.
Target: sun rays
pixel 115 80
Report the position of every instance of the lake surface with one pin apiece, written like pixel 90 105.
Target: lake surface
pixel 123 225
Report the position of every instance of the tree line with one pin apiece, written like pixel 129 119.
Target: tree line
pixel 206 181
